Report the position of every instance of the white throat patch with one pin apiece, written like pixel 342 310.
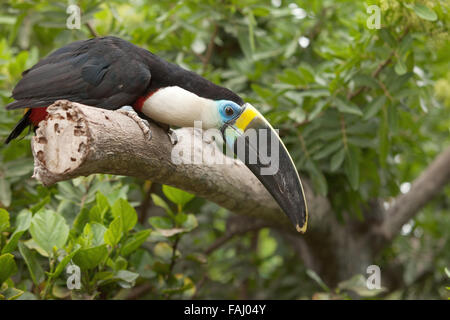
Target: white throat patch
pixel 178 107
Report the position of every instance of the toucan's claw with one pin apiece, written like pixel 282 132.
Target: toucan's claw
pixel 172 136
pixel 142 123
pixel 170 133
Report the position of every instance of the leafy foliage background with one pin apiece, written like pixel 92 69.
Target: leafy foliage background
pixel 362 111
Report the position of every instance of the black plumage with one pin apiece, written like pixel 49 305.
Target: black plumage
pixel 106 72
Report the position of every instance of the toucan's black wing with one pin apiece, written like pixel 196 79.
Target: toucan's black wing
pixel 103 72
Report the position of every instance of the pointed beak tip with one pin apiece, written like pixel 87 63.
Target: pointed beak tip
pixel 301 229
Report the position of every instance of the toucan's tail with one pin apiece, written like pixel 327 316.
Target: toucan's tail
pixel 20 126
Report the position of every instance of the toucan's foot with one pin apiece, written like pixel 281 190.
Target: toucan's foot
pixel 170 133
pixel 172 136
pixel 142 123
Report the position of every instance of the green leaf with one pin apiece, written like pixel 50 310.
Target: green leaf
pixel 317 109
pixel 102 201
pixel 297 115
pixel 317 177
pixel 90 258
pixel 337 159
pixel 4 19
pixel 32 245
pixel 92 236
pixel 383 138
pixel 374 106
pixel 159 222
pixel 395 83
pixel 158 201
pixel 127 278
pixel 347 107
pixel 447 272
pixel 23 222
pixel 96 214
pixel 63 263
pixel 81 220
pixel 169 232
pixel 365 80
pixel 400 67
pixel 141 260
pixel 98 232
pixel 5 192
pixel 163 250
pixel 104 277
pixel 358 284
pixel 424 12
pixel 251 24
pixel 329 148
pixel 114 233
pixel 35 269
pixel 352 167
pixel 290 49
pixel 291 76
pixel 392 119
pixel 317 279
pixel 40 205
pixel 7 267
pixel 306 72
pixel 12 243
pixel 120 263
pixel 4 220
pixel 388 38
pixel 134 242
pixel 18 168
pixel 12 293
pixel 49 229
pixel 190 223
pixel 406 44
pixel 262 92
pixel 177 196
pixel 267 245
pixel 121 208
pixel 244 43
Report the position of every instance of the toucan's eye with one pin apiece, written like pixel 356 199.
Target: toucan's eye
pixel 229 111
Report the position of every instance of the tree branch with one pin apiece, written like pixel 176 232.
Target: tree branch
pixel 210 48
pixel 380 67
pixel 236 226
pixel 423 189
pixel 78 140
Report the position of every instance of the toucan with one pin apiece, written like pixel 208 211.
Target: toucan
pixel 109 73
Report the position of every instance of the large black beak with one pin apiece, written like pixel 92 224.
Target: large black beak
pixel 258 145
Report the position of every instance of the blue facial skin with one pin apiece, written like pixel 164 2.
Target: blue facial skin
pixel 222 107
pixel 228 132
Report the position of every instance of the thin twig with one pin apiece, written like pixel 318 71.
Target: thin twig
pixel 147 202
pixel 199 285
pixel 236 227
pixel 378 70
pixel 210 48
pixel 92 30
pixel 139 291
pixel 173 259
